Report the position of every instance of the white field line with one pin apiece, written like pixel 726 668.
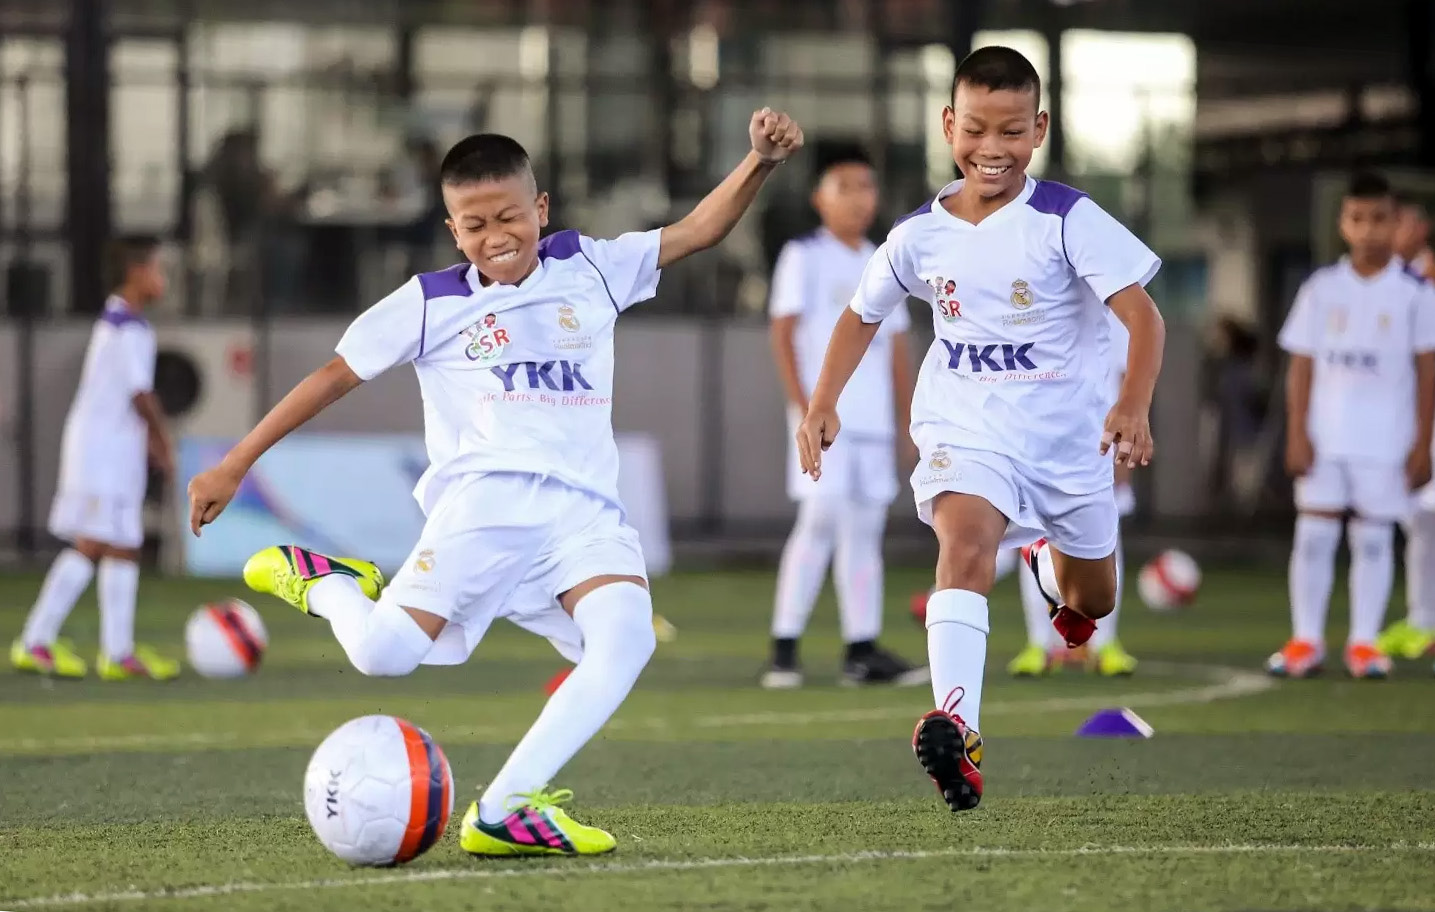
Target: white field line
pixel 580 869
pixel 1224 683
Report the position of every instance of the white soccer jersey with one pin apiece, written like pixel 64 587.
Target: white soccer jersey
pixel 515 378
pixel 814 280
pixel 1362 335
pixel 104 449
pixel 1020 361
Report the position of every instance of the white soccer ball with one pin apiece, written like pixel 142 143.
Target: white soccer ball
pixel 378 791
pixel 225 640
pixel 1169 580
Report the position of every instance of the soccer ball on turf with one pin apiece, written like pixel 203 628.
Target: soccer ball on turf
pixel 1169 580
pixel 225 640
pixel 378 791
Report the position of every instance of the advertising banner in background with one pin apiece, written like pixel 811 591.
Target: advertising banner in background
pixel 351 495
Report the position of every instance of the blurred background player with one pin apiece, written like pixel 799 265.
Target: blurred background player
pixel 115 429
pixel 1414 635
pixel 844 514
pixel 1412 238
pixel 522 514
pixel 1360 395
pixel 1010 412
pixel 1104 654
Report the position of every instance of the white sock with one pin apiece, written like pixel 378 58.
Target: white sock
pixel 618 640
pixel 69 575
pixel 1312 573
pixel 1106 627
pixel 857 571
pixel 1035 610
pixel 1420 571
pixel 957 626
pixel 119 583
pixel 803 567
pixel 1372 573
pixel 380 639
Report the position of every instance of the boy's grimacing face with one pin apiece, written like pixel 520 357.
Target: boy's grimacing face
pixel 496 223
pixel 993 135
pixel 1368 226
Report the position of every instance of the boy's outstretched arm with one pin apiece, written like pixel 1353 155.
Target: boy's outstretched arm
pixel 775 137
pixel 1128 425
pixel 850 339
pixel 211 491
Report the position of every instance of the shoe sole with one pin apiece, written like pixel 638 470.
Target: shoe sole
pixel 917 677
pixel 940 751
pixel 1312 672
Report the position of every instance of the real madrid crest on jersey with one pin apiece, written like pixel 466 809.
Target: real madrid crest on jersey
pixel 568 318
pixel 1383 322
pixel 1337 322
pixel 1021 297
pixel 946 298
pixel 486 340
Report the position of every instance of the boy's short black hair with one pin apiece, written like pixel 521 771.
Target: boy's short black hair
pixel 1368 185
pixel 831 155
pixel 125 253
pixel 997 68
pixel 483 157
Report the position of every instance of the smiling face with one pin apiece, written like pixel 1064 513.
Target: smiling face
pixel 496 223
pixel 993 134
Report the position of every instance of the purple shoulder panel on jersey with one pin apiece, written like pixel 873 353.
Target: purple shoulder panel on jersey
pixel 1056 199
pixel 1408 270
pixel 446 283
pixel 560 246
pixel 1053 198
pixel 924 209
pixel 566 244
pixel 121 318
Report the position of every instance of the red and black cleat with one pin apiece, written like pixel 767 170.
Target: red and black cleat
pixel 951 754
pixel 1075 628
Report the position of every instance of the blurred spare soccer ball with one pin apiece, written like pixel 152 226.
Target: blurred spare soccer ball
pixel 1169 580
pixel 225 640
pixel 378 791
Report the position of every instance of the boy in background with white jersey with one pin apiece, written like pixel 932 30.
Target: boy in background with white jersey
pixel 1414 635
pixel 1010 414
pixel 1106 656
pixel 513 349
pixel 846 512
pixel 1360 397
pixel 114 431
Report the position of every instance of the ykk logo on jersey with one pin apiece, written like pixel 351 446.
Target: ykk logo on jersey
pixel 993 358
pixel 1362 361
pixel 566 376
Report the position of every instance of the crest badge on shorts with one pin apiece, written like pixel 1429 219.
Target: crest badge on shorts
pixel 940 461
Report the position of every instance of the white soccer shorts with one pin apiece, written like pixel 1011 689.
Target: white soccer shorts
pixel 114 521
pixel 506 545
pixel 1375 491
pixel 1083 526
pixel 855 468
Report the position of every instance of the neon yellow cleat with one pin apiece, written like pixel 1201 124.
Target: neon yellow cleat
pixel 58 659
pixel 538 826
pixel 144 662
pixel 1112 661
pixel 288 571
pixel 1029 663
pixel 1403 641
